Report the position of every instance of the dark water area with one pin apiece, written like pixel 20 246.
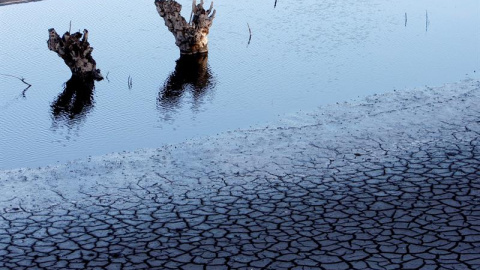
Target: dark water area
pixel 192 77
pixel 74 102
pixel 302 54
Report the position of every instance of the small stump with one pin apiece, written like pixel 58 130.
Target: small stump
pixel 191 37
pixel 76 52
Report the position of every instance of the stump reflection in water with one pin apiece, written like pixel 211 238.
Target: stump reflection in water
pixel 74 103
pixel 192 76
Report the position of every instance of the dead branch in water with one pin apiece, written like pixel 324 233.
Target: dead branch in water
pixel 250 31
pixel 130 82
pixel 21 79
pixel 427 21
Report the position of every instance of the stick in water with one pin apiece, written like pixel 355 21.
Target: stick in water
pixel 426 20
pixel 250 31
pixel 21 79
pixel 130 84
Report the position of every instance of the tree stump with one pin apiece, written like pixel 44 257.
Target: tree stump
pixel 190 37
pixel 76 52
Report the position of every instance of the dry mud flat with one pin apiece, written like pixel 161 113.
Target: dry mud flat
pixel 390 182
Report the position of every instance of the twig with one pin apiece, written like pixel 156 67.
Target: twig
pixel 194 5
pixel 106 77
pixel 21 79
pixel 406 19
pixel 274 6
pixel 250 31
pixel 191 17
pixel 25 91
pixel 426 21
pixel 130 84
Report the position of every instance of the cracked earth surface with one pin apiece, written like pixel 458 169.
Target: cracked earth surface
pixel 391 182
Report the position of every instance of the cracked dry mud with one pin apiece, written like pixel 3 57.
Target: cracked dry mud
pixel 392 182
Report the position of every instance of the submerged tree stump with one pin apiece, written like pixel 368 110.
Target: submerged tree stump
pixel 190 37
pixel 76 52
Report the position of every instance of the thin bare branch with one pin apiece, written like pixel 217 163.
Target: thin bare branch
pixel 21 79
pixel 130 82
pixel 250 31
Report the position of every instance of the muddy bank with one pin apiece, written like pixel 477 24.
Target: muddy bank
pixel 392 181
pixel 395 120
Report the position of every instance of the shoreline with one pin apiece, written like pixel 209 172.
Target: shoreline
pixel 397 110
pixel 392 181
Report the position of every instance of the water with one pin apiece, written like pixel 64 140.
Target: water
pixel 302 54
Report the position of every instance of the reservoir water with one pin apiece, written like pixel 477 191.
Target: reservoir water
pixel 302 55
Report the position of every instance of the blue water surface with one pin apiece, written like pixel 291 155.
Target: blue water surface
pixel 302 54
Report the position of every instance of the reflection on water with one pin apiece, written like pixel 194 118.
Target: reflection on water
pixel 346 50
pixel 192 76
pixel 74 103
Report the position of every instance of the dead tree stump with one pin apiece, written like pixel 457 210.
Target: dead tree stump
pixel 76 52
pixel 190 37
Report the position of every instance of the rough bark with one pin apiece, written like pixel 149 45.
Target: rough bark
pixel 76 52
pixel 191 37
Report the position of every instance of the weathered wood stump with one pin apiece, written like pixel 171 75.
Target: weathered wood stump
pixel 191 37
pixel 76 52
